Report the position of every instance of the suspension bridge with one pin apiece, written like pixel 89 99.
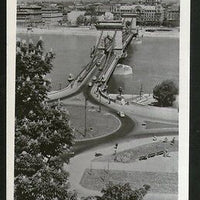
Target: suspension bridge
pixel 114 36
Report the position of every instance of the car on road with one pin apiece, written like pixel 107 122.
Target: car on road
pixel 98 62
pixel 90 84
pixel 144 124
pixel 121 114
pixel 97 154
pixel 80 79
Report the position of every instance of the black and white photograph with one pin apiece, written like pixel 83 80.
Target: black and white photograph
pixel 99 108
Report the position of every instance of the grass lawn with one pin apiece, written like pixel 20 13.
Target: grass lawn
pixel 150 125
pixel 97 123
pixel 160 182
pixel 131 155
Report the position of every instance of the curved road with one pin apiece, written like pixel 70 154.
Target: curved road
pixel 133 119
pixel 127 125
pixel 124 134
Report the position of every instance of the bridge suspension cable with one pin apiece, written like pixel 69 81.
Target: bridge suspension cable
pixel 96 49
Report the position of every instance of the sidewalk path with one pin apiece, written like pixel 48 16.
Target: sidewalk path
pixel 155 164
pixel 82 161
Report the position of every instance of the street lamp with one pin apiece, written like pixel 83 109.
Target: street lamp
pixel 99 101
pixel 141 91
pixel 85 128
pixel 70 78
pixel 99 91
pixel 115 151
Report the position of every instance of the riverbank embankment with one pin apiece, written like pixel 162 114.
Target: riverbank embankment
pixel 174 32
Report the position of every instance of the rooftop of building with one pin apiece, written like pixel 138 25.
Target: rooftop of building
pixel 25 6
pixel 144 7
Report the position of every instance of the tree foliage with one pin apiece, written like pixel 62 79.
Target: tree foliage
pixel 43 135
pixel 165 93
pixel 42 131
pixel 93 20
pixel 91 10
pixel 81 19
pixel 121 192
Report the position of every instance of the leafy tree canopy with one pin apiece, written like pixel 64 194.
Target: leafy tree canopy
pixel 93 20
pixel 165 93
pixel 42 131
pixel 81 19
pixel 121 192
pixel 91 10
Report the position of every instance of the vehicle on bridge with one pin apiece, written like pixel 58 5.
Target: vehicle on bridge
pixel 90 84
pixel 94 78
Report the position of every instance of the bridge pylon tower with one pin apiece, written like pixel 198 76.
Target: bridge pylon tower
pixel 110 35
pixel 131 17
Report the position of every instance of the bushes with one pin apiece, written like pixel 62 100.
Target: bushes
pixel 165 93
pixel 42 131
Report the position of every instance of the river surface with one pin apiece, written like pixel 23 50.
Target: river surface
pixel 72 54
pixel 153 61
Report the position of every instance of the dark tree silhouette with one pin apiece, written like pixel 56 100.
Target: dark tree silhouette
pixel 93 19
pixel 165 93
pixel 81 19
pixel 123 192
pixel 42 132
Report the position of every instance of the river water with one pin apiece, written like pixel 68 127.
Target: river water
pixel 72 54
pixel 154 60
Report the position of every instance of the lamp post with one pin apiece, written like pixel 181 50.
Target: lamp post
pixel 99 90
pixel 115 151
pixel 90 166
pixel 99 102
pixel 120 90
pixel 85 127
pixel 141 91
